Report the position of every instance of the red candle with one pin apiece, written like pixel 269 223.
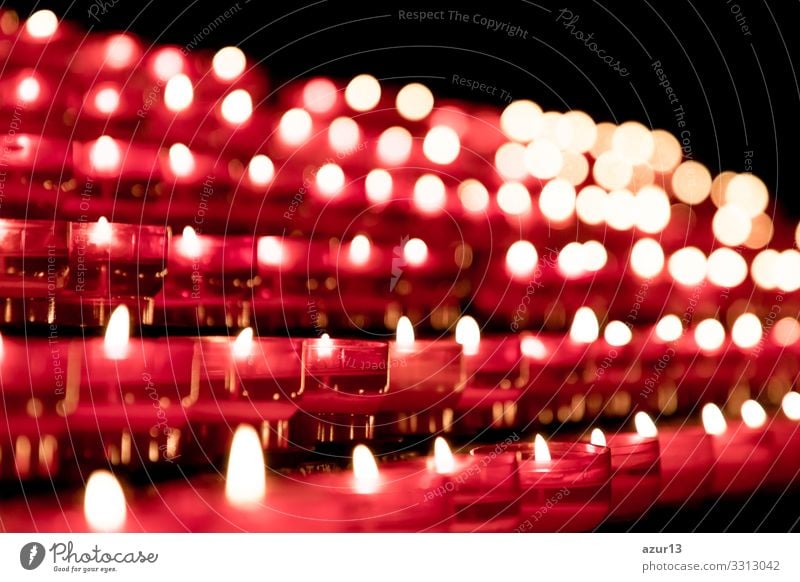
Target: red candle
pixel 564 486
pixel 425 381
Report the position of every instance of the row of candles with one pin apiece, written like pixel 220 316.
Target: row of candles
pixel 513 485
pixel 329 390
pixel 45 252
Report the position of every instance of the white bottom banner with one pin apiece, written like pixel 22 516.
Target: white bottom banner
pixel 400 557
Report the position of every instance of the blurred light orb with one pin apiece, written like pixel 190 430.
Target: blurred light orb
pixel 319 95
pixel 647 258
pixel 394 146
pixel 363 93
pixel 430 194
pixel 590 205
pixel 473 195
pixel 414 102
pixel 441 145
pixel 228 63
pixel 378 185
pixel 295 126
pixel 709 335
pixel 612 171
pixel 543 159
pixel 691 182
pixel 521 120
pixel 726 268
pixel 634 142
pixel 514 199
pixel 688 266
pixel 557 200
pixel 747 331
pixel 521 259
pixel 731 226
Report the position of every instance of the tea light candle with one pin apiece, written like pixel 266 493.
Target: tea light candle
pixel 635 467
pixel 564 486
pixel 687 462
pixel 425 379
pixel 388 499
pixel 742 450
pixel 785 431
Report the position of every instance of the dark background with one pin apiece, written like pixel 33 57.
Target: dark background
pixel 738 86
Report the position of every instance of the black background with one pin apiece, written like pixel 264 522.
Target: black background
pixel 740 91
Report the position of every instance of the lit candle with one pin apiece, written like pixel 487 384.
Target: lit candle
pixel 635 468
pixel 425 381
pixel 742 450
pixel 564 486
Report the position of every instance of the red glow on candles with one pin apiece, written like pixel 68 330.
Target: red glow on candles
pixel 366 477
pixel 118 333
pixel 319 95
pixel 237 107
pixel 229 63
pixel 245 478
pixel 104 503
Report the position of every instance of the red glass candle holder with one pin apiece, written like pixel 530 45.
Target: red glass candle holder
pixel 116 260
pixel 635 470
pixel 687 460
pixel 344 383
pixel 571 492
pixel 425 382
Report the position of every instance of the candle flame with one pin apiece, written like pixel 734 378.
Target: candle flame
pixel 617 334
pixel 645 425
pixel 468 335
pixel 179 93
pixel 29 89
pixel 42 24
pixel 360 249
pixel 118 333
pixel 669 328
pixel 228 63
pixel 532 347
pixel 104 503
pixel 190 245
pixel 325 346
pixel 245 480
pixel 753 414
pixel 242 347
pixel 181 160
pixel 790 403
pixel 585 328
pixel 443 460
pixel 365 470
pixel 598 438
pixel 105 155
pixel 101 233
pixel 237 107
pixel 270 251
pixel 709 335
pixel 713 421
pixel 415 252
pixel 404 334
pixel 541 452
